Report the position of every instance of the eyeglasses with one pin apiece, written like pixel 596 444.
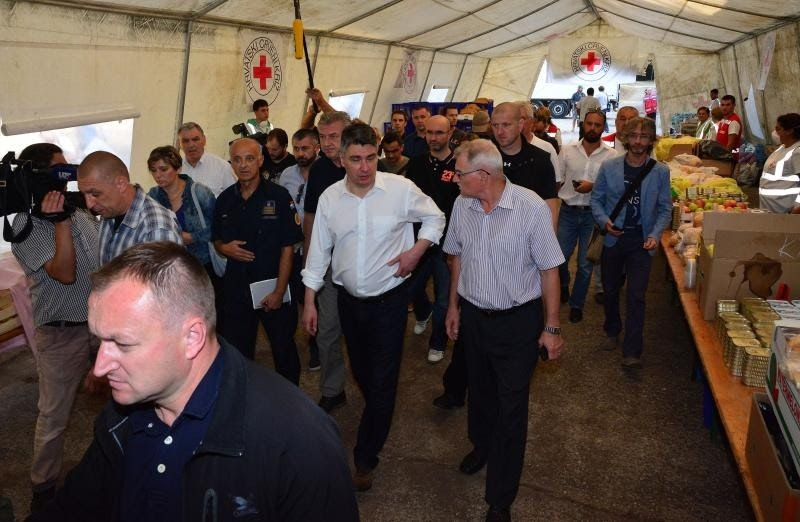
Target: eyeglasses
pixel 638 137
pixel 460 174
pixel 299 195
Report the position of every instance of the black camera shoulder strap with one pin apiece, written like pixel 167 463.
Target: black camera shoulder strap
pixel 631 189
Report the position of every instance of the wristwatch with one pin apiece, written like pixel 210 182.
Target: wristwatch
pixel 555 330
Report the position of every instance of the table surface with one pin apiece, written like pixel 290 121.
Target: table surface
pixel 732 397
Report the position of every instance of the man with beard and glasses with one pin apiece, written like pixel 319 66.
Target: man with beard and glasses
pixel 305 145
pixel 631 239
pixel 580 162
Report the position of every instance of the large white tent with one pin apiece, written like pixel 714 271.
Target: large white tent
pixel 177 60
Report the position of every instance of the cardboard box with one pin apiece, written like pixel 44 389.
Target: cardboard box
pixel 747 255
pixel 724 168
pixel 680 148
pixel 784 397
pixel 776 498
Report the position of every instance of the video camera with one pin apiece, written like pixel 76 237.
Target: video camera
pixel 248 130
pixel 22 188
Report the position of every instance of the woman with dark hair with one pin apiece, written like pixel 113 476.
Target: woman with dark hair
pixel 779 188
pixel 192 202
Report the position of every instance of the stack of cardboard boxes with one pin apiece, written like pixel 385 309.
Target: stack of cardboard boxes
pixel 748 255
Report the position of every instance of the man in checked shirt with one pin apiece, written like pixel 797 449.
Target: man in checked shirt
pixel 129 215
pixel 504 299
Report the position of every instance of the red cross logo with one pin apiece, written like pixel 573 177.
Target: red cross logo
pixel 590 61
pixel 262 72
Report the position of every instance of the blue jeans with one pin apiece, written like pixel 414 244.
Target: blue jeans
pixel 433 264
pixel 575 226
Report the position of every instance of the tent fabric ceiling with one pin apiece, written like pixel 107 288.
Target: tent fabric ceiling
pixel 488 28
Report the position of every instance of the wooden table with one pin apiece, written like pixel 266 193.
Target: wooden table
pixel 732 397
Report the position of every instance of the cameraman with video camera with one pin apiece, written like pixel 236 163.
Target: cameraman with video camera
pixel 57 255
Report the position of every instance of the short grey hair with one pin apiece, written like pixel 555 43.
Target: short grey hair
pixel 481 154
pixel 332 117
pixel 190 125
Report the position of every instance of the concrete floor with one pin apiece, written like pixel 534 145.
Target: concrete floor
pixel 601 444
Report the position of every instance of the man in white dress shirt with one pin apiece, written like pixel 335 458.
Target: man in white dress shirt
pixel 580 162
pixel 363 229
pixel 203 167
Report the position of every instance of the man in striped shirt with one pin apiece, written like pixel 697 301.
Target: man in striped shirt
pixel 129 215
pixel 504 299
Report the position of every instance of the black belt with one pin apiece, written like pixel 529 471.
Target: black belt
pixel 402 287
pixel 507 311
pixel 580 207
pixel 65 324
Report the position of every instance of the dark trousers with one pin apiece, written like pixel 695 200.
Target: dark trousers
pixel 455 376
pixel 501 353
pixel 374 330
pixel 240 323
pixel 626 260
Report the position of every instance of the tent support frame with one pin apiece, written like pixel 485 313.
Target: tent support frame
pixel 187 48
pixel 765 123
pixel 743 116
pixel 460 74
pixel 383 77
pixel 427 77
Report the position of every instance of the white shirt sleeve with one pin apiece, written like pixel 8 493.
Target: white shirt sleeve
pixel 319 248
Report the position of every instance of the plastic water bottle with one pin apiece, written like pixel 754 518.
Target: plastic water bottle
pixel 690 273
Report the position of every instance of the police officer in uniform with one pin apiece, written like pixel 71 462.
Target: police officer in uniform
pixel 256 226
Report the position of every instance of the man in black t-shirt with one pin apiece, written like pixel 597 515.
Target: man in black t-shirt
pixel 433 173
pixel 324 172
pixel 278 156
pixel 524 164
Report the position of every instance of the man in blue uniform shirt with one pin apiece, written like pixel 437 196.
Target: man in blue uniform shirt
pixel 256 226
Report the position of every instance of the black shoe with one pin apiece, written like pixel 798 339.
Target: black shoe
pixel 472 463
pixel 362 480
pixel 575 315
pixel 611 343
pixel 329 403
pixel 498 514
pixel 599 298
pixel 39 499
pixel 447 401
pixel 632 362
pixel 313 363
pixel 564 294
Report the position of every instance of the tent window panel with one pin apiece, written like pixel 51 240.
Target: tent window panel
pixel 350 103
pixel 438 94
pixel 76 142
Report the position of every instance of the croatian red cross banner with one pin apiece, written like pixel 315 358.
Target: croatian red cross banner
pixel 263 66
pixel 603 61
